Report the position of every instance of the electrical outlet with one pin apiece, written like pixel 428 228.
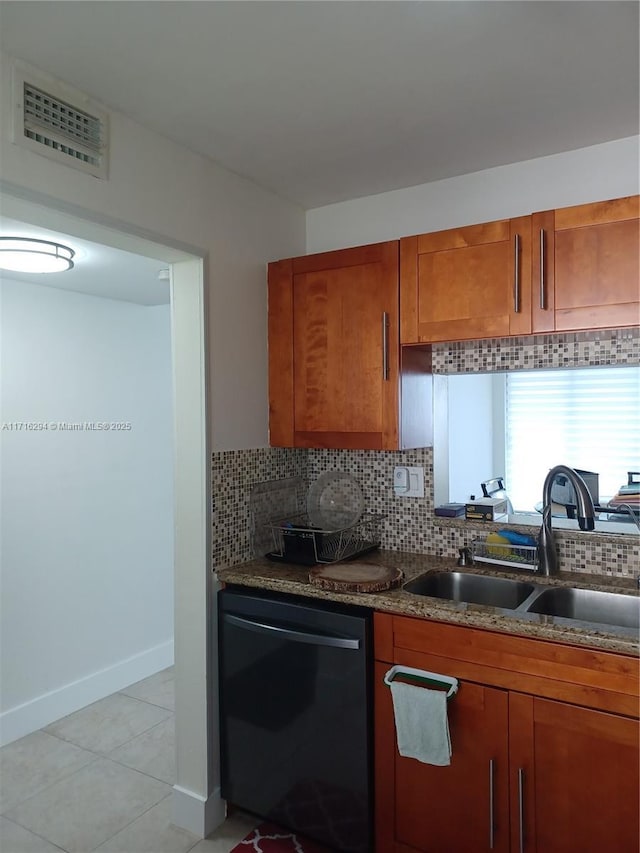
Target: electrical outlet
pixel 408 481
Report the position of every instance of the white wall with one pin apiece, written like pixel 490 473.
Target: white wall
pixel 160 189
pixel 470 436
pixel 157 186
pixel 87 516
pixel 589 174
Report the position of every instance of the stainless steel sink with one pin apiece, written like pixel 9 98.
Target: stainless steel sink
pixel 473 589
pixel 589 605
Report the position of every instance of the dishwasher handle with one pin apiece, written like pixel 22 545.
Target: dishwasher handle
pixel 294 636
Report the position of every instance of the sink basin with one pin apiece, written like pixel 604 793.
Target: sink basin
pixel 473 589
pixel 617 611
pixel 589 605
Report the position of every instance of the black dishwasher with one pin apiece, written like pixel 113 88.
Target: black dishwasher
pixel 295 714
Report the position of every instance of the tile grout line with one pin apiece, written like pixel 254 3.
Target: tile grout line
pixel 96 757
pixel 66 778
pixel 146 701
pixel 37 835
pixel 93 757
pixel 146 731
pixel 70 742
pixel 122 828
pixel 79 746
pixel 128 766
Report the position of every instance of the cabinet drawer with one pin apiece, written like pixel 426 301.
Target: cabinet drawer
pixel 587 677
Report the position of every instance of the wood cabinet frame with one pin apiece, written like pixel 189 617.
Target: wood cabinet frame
pixel 403 397
pixel 439 302
pixel 578 270
pixel 586 266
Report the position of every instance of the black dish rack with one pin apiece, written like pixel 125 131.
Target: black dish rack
pixel 296 540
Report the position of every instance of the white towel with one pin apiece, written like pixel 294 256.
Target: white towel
pixel 422 727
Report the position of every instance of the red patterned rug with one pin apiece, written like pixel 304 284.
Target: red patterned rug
pixel 269 838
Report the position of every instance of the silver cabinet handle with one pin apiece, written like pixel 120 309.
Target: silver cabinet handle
pixel 287 634
pixel 521 806
pixel 491 814
pixel 516 275
pixel 542 268
pixel 385 345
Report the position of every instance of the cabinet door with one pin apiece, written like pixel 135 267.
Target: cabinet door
pixel 586 266
pixel 574 778
pixel 334 349
pixel 466 283
pixel 462 807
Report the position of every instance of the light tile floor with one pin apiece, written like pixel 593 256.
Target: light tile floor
pixel 100 779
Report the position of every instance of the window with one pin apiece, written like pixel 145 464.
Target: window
pixel 585 418
pixel 519 425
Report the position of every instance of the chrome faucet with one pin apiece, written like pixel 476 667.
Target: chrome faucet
pixel 547 555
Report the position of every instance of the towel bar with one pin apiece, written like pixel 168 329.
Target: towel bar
pixel 422 675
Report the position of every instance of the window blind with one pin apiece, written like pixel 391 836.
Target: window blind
pixel 585 418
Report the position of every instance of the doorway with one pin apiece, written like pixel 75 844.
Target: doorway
pixel 192 575
pixel 87 480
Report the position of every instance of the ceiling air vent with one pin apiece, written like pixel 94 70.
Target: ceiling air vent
pixel 59 123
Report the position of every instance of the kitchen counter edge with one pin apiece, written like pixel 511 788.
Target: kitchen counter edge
pixel 261 573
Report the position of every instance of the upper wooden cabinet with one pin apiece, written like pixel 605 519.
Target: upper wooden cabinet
pixel 575 268
pixel 344 368
pixel 586 266
pixel 466 283
pixel 336 375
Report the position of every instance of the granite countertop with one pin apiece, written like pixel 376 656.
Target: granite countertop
pixel 282 577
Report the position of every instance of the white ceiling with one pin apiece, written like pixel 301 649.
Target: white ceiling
pixel 326 101
pixel 98 270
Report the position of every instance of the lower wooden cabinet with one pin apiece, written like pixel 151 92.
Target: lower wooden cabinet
pixel 574 778
pixel 534 769
pixel 464 806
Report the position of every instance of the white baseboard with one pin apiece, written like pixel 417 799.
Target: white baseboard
pixel 197 814
pixel 43 710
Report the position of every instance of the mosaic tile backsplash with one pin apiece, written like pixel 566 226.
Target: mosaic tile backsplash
pixel 233 473
pixel 541 352
pixel 410 524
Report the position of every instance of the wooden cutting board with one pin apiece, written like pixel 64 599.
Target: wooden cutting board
pixel 355 577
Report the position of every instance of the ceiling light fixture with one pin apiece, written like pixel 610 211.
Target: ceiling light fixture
pixel 23 254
